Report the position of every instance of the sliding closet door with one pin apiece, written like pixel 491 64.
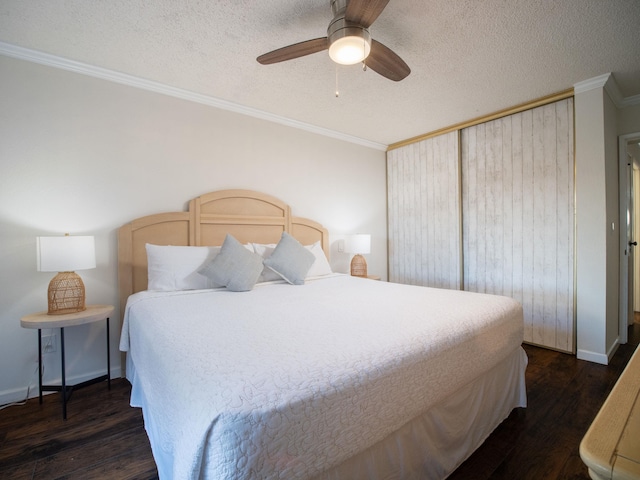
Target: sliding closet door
pixel 423 181
pixel 518 217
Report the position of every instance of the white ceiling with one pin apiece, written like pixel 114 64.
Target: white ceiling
pixel 468 57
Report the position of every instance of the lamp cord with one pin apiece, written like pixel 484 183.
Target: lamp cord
pixel 23 402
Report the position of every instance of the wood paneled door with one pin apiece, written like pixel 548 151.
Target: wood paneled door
pixel 518 222
pixel 490 208
pixel 424 213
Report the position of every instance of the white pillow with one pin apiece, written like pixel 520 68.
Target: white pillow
pixel 171 268
pixel 321 265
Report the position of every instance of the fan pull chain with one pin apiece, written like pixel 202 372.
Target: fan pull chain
pixel 364 60
pixel 337 89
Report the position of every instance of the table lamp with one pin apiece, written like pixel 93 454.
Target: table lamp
pixel 64 254
pixel 358 244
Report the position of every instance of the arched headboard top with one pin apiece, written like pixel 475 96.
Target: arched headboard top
pixel 247 215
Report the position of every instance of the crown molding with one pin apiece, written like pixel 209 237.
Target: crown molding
pixel 591 84
pixel 50 60
pixel 629 101
pixel 608 82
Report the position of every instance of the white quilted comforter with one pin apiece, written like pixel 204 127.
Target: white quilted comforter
pixel 287 381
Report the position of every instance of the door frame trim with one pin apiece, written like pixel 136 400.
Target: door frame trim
pixel 625 195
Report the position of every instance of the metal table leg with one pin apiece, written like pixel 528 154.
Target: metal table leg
pixel 64 383
pixel 40 364
pixel 108 358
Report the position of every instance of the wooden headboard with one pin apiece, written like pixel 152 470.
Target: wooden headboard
pixel 248 216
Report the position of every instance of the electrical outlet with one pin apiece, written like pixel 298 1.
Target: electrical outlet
pixel 340 246
pixel 49 344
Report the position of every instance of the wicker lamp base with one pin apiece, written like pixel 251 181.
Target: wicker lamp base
pixel 66 294
pixel 358 266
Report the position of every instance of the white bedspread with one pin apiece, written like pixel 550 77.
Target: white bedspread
pixel 287 381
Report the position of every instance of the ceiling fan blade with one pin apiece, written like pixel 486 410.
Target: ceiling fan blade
pixel 384 61
pixel 364 12
pixel 294 51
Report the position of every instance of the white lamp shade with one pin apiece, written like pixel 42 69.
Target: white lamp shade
pixel 359 243
pixel 66 253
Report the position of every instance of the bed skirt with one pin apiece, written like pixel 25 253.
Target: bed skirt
pixel 433 445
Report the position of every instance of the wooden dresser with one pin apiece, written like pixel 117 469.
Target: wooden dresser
pixel 611 446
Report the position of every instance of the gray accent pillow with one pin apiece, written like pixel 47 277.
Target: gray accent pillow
pixel 234 267
pixel 290 260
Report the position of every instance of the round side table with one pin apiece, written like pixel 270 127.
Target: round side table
pixel 40 320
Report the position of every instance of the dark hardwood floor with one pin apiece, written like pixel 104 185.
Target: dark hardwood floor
pixel 104 438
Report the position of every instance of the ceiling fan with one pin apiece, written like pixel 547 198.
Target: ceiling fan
pixel 348 41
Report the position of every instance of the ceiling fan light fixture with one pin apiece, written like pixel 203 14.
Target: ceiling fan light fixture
pixel 350 50
pixel 348 43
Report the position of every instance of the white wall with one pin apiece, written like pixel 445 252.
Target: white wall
pixel 83 155
pixel 598 123
pixel 612 180
pixel 629 119
pixel 592 226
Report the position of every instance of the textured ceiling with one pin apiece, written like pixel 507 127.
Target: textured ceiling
pixel 468 57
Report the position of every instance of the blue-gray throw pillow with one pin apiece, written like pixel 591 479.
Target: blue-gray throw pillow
pixel 290 260
pixel 234 267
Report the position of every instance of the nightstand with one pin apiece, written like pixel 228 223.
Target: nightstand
pixel 40 320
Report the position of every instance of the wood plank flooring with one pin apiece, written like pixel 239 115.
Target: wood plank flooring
pixel 104 438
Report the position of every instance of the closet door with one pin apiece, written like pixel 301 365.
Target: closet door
pixel 423 181
pixel 518 217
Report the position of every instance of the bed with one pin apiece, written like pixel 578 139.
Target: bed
pixel 335 378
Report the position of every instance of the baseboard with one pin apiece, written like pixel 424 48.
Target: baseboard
pixel 613 348
pixel 592 357
pixel 19 394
